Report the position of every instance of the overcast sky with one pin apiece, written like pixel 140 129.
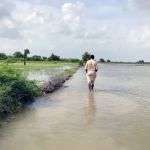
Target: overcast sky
pixel 112 29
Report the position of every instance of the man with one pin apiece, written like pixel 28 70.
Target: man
pixel 91 69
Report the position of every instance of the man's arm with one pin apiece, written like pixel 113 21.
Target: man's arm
pixel 86 67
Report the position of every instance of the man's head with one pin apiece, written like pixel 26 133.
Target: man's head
pixel 92 56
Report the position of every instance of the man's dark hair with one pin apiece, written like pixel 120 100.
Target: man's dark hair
pixel 92 56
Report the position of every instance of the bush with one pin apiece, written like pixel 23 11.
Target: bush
pixel 54 57
pixel 3 56
pixel 11 60
pixel 18 54
pixel 36 58
pixel 15 91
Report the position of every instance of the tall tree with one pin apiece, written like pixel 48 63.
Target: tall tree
pixel 86 56
pixel 26 52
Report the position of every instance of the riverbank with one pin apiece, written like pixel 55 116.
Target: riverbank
pixel 16 90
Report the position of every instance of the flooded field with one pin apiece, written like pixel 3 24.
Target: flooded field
pixel 42 75
pixel 114 117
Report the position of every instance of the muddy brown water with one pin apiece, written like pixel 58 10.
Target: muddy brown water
pixel 116 116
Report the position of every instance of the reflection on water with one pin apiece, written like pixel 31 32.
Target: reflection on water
pixel 45 74
pixel 90 108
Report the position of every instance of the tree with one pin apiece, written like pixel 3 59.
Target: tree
pixel 86 56
pixel 102 60
pixel 141 62
pixel 26 52
pixel 3 56
pixel 54 57
pixel 36 58
pixel 108 61
pixel 18 54
pixel 44 58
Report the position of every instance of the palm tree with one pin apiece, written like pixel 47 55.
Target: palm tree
pixel 26 52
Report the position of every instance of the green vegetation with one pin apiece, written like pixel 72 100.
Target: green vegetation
pixel 23 57
pixel 54 57
pixel 3 56
pixel 140 62
pixel 17 54
pixel 35 65
pixel 15 91
pixel 85 57
pixel 26 52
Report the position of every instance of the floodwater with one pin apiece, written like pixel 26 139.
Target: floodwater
pixel 116 116
pixel 43 75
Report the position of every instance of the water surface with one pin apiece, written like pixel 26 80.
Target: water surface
pixel 116 116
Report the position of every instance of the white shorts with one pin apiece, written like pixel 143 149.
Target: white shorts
pixel 91 76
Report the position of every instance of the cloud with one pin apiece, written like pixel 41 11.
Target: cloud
pixel 68 28
pixel 143 4
pixel 140 5
pixel 140 37
pixel 6 8
pixel 8 28
pixel 72 12
pixel 10 33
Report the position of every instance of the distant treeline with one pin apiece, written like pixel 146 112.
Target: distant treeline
pixel 86 56
pixel 19 56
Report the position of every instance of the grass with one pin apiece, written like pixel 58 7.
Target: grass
pixel 16 90
pixel 36 65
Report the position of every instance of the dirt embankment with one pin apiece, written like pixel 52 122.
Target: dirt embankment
pixel 56 82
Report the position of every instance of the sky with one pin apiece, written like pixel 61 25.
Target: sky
pixel 110 29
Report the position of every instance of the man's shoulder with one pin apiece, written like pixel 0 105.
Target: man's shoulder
pixel 95 61
pixel 91 61
pixel 88 61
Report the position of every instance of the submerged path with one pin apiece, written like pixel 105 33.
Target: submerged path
pixel 114 117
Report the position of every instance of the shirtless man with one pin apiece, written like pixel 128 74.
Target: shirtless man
pixel 91 69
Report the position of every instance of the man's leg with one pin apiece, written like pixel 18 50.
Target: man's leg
pixel 88 81
pixel 89 85
pixel 92 81
pixel 92 85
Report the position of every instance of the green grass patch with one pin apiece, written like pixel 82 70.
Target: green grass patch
pixel 36 65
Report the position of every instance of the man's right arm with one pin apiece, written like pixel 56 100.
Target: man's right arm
pixel 86 67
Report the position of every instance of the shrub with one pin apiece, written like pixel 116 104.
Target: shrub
pixel 15 91
pixel 3 56
pixel 54 57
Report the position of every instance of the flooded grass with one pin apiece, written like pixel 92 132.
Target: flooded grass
pixel 36 65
